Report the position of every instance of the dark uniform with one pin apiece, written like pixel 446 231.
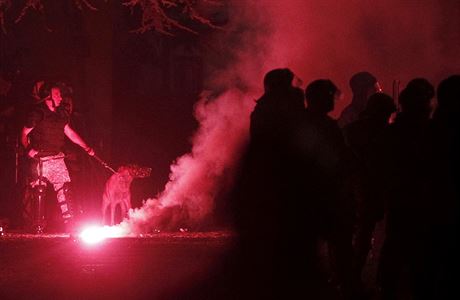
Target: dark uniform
pixel 48 166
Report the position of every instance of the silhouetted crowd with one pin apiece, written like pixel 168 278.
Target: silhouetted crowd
pixel 309 180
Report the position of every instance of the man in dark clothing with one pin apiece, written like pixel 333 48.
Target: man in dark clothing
pixel 324 160
pixel 278 110
pixel 275 243
pixel 363 85
pixel 43 137
pixel 363 136
pixel 446 165
pixel 408 187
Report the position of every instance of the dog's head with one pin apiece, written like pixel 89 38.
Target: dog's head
pixel 135 171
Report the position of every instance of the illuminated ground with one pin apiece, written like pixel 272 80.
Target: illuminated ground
pixel 159 266
pixel 180 265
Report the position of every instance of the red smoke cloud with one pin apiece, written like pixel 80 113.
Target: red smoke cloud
pixel 197 177
pixel 391 39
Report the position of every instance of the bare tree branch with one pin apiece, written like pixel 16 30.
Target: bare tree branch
pixel 154 13
pixel 81 4
pixel 155 17
pixel 30 4
pixel 4 6
pixel 190 11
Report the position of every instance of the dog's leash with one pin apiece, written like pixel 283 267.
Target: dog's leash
pixel 104 164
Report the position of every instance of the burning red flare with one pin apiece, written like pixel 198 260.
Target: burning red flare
pixel 96 234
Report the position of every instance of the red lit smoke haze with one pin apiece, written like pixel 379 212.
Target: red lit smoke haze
pixel 316 39
pixel 391 39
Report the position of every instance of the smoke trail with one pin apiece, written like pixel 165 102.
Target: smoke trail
pixel 196 177
pixel 223 113
pixel 316 39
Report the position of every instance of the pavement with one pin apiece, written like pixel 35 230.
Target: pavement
pixel 158 266
pixel 173 265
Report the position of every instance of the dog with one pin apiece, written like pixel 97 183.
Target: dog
pixel 117 191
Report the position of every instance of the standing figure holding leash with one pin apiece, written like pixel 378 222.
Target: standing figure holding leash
pixel 43 137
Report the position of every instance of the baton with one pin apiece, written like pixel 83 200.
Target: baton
pixel 104 164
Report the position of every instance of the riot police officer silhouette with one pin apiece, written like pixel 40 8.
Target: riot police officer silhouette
pixel 43 137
